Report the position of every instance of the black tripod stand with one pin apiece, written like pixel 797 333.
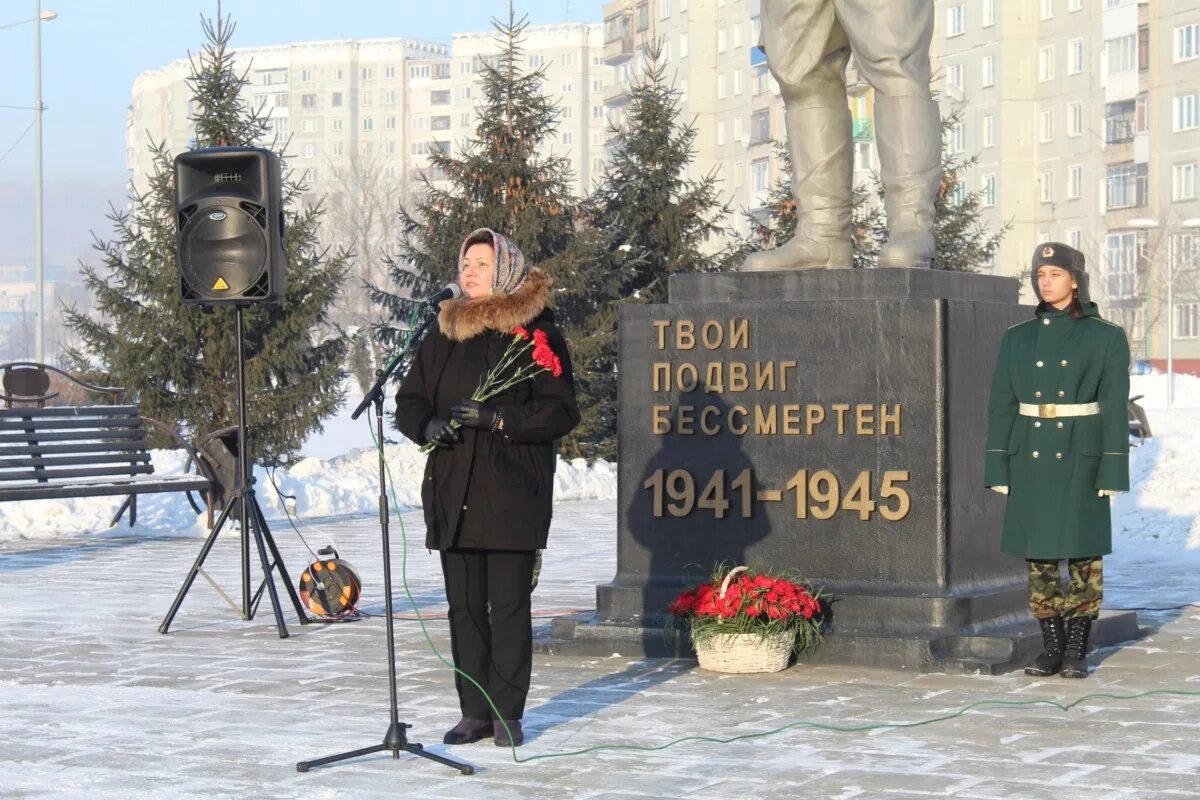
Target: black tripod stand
pixel 395 739
pixel 252 521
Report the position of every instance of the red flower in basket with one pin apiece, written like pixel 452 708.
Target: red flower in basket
pixel 738 602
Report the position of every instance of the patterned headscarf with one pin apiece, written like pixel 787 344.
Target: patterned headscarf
pixel 510 269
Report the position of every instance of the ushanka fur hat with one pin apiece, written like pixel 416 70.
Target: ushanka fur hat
pixel 1057 254
pixel 510 269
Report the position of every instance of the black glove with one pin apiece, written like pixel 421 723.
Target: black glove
pixel 474 414
pixel 440 433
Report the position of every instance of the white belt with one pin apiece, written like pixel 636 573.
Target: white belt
pixel 1052 410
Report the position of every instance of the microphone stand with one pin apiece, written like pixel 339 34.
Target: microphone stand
pixel 395 740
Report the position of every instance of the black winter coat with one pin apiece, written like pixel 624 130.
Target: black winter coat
pixel 491 490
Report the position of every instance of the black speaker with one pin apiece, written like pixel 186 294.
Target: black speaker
pixel 229 213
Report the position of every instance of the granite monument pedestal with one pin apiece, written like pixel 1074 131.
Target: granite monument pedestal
pixel 830 423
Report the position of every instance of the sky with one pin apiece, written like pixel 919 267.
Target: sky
pixel 95 48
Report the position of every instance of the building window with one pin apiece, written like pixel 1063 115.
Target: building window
pixel 336 148
pixel 308 101
pixel 537 61
pixel 956 20
pixel 1046 63
pixel 306 76
pixel 760 126
pixel 364 98
pixel 309 125
pixel 862 156
pixel 440 98
pixel 464 93
pixel 1074 237
pixel 464 119
pixel 1046 186
pixel 335 99
pixel 337 73
pixel 368 73
pixel 1075 56
pixel 664 9
pixel 1047 9
pixel 1074 182
pixel 389 123
pixel 722 44
pixel 1072 7
pixel 389 148
pixel 598 85
pixel 721 91
pixel 954 76
pixel 988 194
pixel 758 174
pixel 568 87
pixel 1122 264
pixel 564 113
pixel 957 138
pixel 1125 185
pixel 335 125
pixel 1187 112
pixel 721 133
pixel 989 13
pixel 416 71
pixel 597 112
pixel 737 35
pixel 389 72
pixel 683 45
pixel 1187 320
pixel 1187 42
pixel 419 123
pixel 1074 119
pixel 737 81
pixel 566 137
pixel 1046 126
pixel 1119 121
pixel 988 77
pixel 1122 54
pixel 989 130
pixel 309 151
pixel 367 124
pixel 1183 181
pixel 568 60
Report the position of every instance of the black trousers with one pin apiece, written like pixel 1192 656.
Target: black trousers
pixel 491 630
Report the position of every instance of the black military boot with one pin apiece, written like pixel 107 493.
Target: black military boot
pixel 1051 658
pixel 1074 664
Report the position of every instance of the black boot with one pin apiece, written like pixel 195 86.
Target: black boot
pixel 1053 638
pixel 502 733
pixel 467 731
pixel 1074 663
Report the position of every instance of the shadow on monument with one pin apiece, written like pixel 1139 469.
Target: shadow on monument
pixel 690 475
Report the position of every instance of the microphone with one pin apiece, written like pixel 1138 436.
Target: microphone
pixel 449 292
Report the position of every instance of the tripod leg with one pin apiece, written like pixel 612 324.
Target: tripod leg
pixel 191 576
pixel 283 573
pixel 255 523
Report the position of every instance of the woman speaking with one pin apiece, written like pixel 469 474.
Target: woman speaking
pixel 489 481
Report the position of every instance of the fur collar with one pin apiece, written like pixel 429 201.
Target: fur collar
pixel 465 318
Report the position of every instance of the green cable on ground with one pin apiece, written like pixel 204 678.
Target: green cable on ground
pixel 872 726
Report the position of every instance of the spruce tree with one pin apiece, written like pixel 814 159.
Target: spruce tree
pixel 180 362
pixel 498 179
pixel 656 222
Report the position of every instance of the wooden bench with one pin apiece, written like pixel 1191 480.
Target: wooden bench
pixel 49 452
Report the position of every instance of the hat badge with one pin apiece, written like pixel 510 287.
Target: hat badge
pixel 1047 251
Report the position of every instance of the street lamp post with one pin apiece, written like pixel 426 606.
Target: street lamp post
pixel 39 277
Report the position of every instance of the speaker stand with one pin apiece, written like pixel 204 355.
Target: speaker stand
pixel 252 522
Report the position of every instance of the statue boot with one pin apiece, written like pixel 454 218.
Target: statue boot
pixel 821 149
pixel 909 136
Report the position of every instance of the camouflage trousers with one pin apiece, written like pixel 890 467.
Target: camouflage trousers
pixel 1085 588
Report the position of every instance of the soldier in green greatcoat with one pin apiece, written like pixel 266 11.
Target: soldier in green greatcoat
pixel 1058 446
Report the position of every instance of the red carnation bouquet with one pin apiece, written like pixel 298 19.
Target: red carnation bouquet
pixel 740 600
pixel 513 368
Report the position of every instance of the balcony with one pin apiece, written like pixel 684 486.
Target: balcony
pixel 618 38
pixel 864 129
pixel 1118 130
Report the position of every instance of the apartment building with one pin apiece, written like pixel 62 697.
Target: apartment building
pixel 1084 116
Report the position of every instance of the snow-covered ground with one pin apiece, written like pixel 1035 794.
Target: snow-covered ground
pixel 339 478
